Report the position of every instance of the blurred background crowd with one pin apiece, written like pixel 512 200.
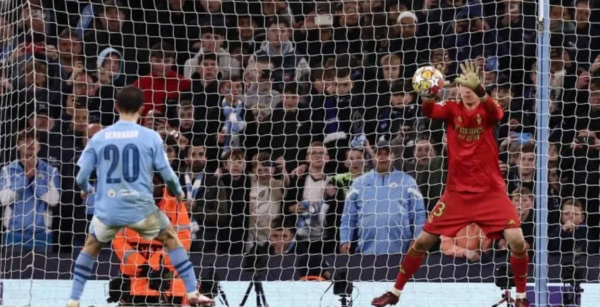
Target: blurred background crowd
pixel 271 109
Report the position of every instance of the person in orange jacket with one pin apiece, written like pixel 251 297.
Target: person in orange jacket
pixel 152 276
pixel 470 243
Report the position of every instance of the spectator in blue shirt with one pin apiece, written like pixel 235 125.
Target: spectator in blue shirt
pixel 28 187
pixel 384 207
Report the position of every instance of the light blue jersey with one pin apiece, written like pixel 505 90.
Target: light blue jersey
pixel 125 156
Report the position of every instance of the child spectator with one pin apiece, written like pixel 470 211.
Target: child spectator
pixel 238 185
pixel 309 199
pixel 291 127
pixel 571 236
pixel 266 196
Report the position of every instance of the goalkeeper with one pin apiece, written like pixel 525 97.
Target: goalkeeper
pixel 145 263
pixel 475 190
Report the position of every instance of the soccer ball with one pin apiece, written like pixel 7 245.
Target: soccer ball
pixel 428 81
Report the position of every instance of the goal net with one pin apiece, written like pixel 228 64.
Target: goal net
pixel 270 110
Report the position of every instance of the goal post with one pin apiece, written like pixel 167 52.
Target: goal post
pixel 543 122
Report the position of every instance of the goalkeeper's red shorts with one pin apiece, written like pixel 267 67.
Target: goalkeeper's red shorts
pixel 491 211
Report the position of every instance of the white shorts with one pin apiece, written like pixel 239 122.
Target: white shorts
pixel 148 228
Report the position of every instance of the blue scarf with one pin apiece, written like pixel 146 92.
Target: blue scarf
pixel 234 124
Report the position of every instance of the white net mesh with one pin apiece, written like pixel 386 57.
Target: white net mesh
pixel 270 109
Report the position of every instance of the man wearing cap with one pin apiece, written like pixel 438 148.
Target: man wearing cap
pixel 385 208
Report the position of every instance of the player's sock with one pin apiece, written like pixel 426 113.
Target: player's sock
pixel 184 268
pixel 410 265
pixel 81 274
pixel 520 266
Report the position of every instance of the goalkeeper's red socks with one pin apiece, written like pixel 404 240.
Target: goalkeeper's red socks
pixel 410 265
pixel 519 264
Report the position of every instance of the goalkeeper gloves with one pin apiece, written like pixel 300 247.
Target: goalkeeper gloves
pixel 470 78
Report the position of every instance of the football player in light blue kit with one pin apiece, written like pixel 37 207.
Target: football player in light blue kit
pixel 125 156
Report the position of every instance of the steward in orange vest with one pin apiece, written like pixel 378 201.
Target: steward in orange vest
pixel 152 277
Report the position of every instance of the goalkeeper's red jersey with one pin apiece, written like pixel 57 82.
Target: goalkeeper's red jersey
pixel 473 162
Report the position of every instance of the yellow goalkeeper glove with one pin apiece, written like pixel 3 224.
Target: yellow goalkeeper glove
pixel 470 78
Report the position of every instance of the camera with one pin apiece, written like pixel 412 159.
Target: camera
pixel 256 259
pixel 503 277
pixel 341 285
pixel 571 275
pixel 119 290
pixel 571 272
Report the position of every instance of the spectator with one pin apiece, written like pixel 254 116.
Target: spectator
pixel 54 148
pixel 266 196
pixel 554 197
pixel 430 173
pixel 409 43
pixel 112 29
pixel 75 213
pixel 335 117
pixel 238 185
pixel 110 67
pixel 291 125
pixel 205 87
pixel 580 167
pixel 84 94
pixel 572 236
pixel 29 187
pixel 163 82
pixel 282 239
pixel 259 79
pixel 211 41
pixel 206 201
pixel 583 43
pixel 523 173
pixel 469 243
pixel 402 110
pixel 522 199
pixel 288 65
pixel 385 207
pixel 69 57
pixel 308 199
pixel 250 36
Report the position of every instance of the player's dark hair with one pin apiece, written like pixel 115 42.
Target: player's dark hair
pixel 130 99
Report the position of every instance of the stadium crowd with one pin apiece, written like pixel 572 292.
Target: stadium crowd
pixel 274 111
